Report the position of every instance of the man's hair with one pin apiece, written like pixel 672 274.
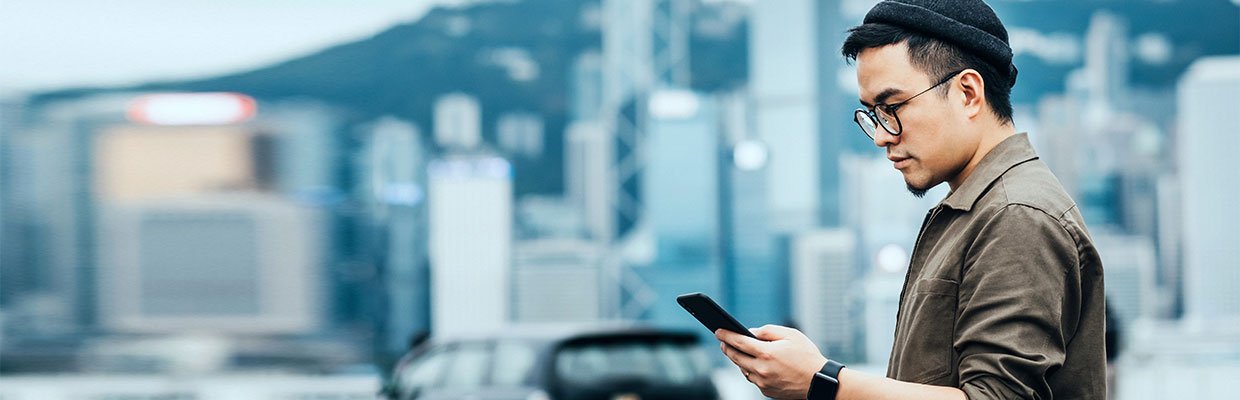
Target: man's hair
pixel 935 58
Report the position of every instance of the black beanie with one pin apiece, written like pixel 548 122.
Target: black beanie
pixel 968 24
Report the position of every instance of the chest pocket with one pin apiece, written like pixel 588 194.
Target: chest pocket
pixel 926 350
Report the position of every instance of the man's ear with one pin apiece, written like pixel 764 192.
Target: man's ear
pixel 973 89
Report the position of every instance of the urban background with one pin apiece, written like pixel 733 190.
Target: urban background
pixel 285 211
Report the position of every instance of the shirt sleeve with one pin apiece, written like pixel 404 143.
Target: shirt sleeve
pixel 1019 296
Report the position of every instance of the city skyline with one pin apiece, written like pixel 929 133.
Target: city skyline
pixel 610 181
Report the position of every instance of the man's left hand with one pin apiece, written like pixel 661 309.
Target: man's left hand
pixel 781 364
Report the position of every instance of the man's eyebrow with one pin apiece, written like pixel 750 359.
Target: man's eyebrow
pixel 886 94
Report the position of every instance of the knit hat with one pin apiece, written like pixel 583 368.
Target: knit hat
pixel 968 24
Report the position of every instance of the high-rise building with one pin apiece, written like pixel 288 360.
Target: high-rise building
pixel 458 121
pixel 681 188
pixel 557 280
pixel 1128 263
pixel 241 263
pixel 1211 242
pixel 797 109
pixel 883 283
pixel 755 282
pixel 586 92
pixel 393 185
pixel 587 182
pixel 471 212
pixel 823 285
pixel 755 277
pixel 520 134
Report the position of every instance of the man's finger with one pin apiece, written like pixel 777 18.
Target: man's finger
pixel 746 344
pixel 772 333
pixel 742 360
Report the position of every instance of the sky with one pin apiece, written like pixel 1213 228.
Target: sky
pixel 50 44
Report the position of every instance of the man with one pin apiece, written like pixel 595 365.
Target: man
pixel 1003 297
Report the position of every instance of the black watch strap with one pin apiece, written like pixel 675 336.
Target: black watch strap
pixel 826 382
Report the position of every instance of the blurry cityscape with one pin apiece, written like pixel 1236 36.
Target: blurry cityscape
pixel 554 161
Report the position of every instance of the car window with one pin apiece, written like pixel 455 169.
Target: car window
pixel 468 367
pixel 513 362
pixel 675 362
pixel 422 373
pixel 665 361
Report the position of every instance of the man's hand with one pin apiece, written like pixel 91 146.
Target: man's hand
pixel 781 364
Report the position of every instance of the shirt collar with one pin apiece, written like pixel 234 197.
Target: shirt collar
pixel 1009 153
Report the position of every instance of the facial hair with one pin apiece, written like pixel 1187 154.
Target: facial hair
pixel 917 192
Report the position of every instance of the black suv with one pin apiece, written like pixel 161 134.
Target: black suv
pixel 536 363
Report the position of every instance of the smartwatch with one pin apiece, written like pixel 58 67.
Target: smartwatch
pixel 826 382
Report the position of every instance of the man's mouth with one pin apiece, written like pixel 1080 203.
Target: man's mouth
pixel 900 161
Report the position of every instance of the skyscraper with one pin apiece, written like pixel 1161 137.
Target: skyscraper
pixel 793 58
pixel 393 185
pixel 1128 266
pixel 681 188
pixel 458 121
pixel 471 209
pixel 557 280
pixel 823 289
pixel 1211 242
pixel 520 134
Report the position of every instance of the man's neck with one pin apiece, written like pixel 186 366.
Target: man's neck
pixel 991 137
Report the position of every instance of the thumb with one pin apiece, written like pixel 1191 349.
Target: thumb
pixel 773 332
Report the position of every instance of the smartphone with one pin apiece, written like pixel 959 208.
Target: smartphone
pixel 710 314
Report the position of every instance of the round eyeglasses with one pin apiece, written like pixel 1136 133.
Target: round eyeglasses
pixel 885 114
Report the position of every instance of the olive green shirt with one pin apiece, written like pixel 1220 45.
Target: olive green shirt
pixel 1003 297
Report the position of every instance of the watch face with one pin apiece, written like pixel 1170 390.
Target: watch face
pixel 827 378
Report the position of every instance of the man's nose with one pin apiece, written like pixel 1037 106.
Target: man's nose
pixel 883 138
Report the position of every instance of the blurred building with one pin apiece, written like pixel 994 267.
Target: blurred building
pixel 681 194
pixel 586 177
pixel 793 63
pixel 1128 263
pixel 586 87
pixel 557 280
pixel 471 210
pixel 458 121
pixel 139 211
pixel 521 134
pixel 824 289
pixel 755 276
pixel 392 164
pixel 883 283
pixel 1211 242
pixel 243 264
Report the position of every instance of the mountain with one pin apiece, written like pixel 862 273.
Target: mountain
pixel 402 70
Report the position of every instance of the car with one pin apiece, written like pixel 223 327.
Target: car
pixel 543 363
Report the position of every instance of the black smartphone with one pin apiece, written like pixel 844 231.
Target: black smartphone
pixel 710 314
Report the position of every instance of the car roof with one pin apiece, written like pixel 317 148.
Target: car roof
pixel 555 332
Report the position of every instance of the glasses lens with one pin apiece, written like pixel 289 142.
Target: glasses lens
pixel 888 120
pixel 867 124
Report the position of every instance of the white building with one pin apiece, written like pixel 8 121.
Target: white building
pixel 521 134
pixel 784 77
pixel 471 212
pixel 883 284
pixel 823 277
pixel 458 121
pixel 1209 194
pixel 1128 263
pixel 587 181
pixel 558 280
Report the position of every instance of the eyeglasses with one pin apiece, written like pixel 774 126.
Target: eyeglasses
pixel 885 114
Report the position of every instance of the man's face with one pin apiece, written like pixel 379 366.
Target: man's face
pixel 933 145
